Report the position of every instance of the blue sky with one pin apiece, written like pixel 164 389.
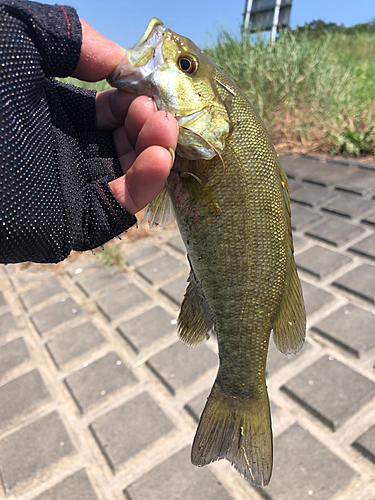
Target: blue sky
pixel 125 21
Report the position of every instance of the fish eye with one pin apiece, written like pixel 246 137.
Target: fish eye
pixel 187 64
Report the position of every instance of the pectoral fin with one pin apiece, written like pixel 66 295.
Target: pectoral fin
pixel 195 319
pixel 160 211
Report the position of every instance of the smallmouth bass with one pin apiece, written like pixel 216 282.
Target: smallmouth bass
pixel 230 197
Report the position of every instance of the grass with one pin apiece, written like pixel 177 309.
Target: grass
pixel 313 93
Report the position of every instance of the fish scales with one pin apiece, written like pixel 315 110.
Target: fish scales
pixel 230 197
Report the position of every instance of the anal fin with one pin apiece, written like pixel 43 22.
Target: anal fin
pixel 195 319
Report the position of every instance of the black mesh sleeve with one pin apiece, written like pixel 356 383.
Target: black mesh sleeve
pixel 55 167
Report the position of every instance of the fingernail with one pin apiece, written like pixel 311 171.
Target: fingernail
pixel 172 155
pixel 155 105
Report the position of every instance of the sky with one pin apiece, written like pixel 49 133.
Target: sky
pixel 125 21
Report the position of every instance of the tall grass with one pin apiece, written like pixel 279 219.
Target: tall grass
pixel 309 91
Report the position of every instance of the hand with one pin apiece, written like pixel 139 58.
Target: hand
pixel 145 139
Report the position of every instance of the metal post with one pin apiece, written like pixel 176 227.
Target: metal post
pixel 275 20
pixel 246 15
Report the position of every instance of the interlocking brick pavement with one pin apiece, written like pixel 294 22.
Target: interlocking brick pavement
pixel 100 401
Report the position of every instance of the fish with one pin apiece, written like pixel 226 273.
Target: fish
pixel 230 197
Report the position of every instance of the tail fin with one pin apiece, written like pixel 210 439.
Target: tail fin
pixel 237 430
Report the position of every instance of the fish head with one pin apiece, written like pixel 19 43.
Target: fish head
pixel 181 79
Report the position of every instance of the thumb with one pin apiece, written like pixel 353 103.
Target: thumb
pixel 99 55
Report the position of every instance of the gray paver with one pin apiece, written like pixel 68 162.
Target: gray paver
pixel 141 251
pixel 74 342
pixel 116 302
pixel 13 354
pixel 347 205
pixel 33 449
pixel 335 231
pixel 302 216
pixel 315 298
pixel 41 293
pixel 365 247
pixel 147 328
pixel 359 281
pixel 320 261
pixel 369 219
pixel 22 277
pixel 79 266
pixel 160 269
pixel 179 365
pixel 177 243
pixel 311 195
pixel 7 323
pixel 100 279
pixel 21 394
pixel 55 315
pixel 330 390
pixel 175 290
pixel 313 170
pixel 350 327
pixel 75 487
pixel 97 380
pixel 177 479
pixel 312 471
pixel 366 443
pixel 298 242
pixel 125 431
pixel 359 182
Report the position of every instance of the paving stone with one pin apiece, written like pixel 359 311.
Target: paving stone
pixel 277 360
pixel 141 252
pixel 313 471
pixel 360 182
pixel 298 242
pixel 366 443
pixel 13 354
pixel 294 185
pixel 99 379
pixel 350 327
pixel 22 277
pixel 359 281
pixel 3 302
pixel 335 231
pixel 115 303
pixel 81 265
pixel 177 243
pixel 302 216
pixel 369 219
pixel 311 195
pixel 42 292
pixel 320 261
pixel 177 479
pixel 160 269
pixel 175 290
pixel 77 487
pixel 32 449
pixel 147 328
pixel 347 205
pixel 365 247
pixel 330 390
pixel 55 315
pixel 196 405
pixel 325 174
pixel 7 323
pixel 100 279
pixel 179 365
pixel 132 427
pixel 315 298
pixel 21 394
pixel 74 342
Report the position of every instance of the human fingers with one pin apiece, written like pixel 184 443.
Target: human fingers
pixel 144 180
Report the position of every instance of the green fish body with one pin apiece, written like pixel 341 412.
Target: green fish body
pixel 231 201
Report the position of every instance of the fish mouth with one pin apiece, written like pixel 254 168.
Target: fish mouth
pixel 141 61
